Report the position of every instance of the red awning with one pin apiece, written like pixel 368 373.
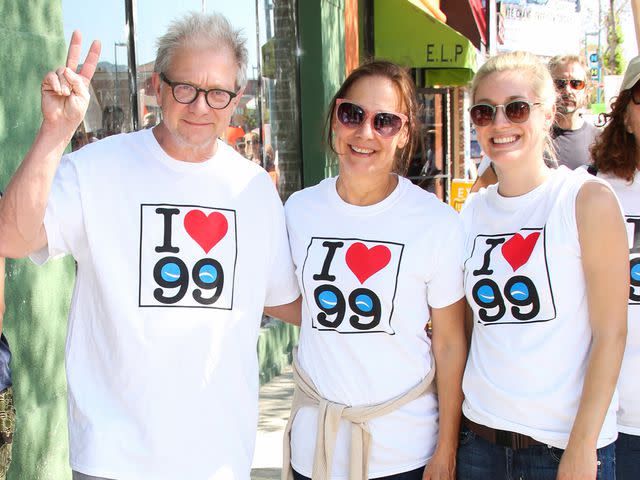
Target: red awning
pixel 467 17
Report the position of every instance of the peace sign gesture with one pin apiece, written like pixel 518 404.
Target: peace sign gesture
pixel 65 93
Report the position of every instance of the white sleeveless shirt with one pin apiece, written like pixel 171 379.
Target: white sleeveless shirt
pixel 629 383
pixel 531 335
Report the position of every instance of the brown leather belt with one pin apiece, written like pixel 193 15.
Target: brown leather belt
pixel 502 438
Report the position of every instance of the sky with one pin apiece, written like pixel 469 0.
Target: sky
pixel 105 20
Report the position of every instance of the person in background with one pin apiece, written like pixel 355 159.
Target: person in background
pixel 572 135
pixel 253 148
pixel 232 135
pixel 161 354
pixel 486 175
pixel 616 159
pixel 7 410
pixel 270 164
pixel 377 257
pixel 240 146
pixel 548 301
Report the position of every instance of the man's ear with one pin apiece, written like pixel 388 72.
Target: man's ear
pixel 238 97
pixel 155 83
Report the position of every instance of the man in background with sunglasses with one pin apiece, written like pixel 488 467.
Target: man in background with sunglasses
pixel 572 135
pixel 161 357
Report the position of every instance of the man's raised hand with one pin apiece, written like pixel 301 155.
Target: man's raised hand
pixel 65 93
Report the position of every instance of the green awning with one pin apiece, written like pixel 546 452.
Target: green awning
pixel 405 34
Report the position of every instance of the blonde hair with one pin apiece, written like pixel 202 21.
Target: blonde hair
pixel 533 70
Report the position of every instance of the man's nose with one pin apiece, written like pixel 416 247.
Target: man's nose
pixel 200 102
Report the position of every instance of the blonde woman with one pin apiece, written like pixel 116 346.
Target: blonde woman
pixel 548 301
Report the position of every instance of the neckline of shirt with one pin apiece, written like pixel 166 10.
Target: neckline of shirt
pixel 179 165
pixel 358 210
pixel 514 203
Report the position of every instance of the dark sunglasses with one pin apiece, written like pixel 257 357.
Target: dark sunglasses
pixel 561 83
pixel 385 124
pixel 517 111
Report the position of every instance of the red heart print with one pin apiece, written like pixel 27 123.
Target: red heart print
pixel 364 262
pixel 517 249
pixel 207 231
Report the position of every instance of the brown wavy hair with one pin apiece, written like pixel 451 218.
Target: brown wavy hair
pixel 614 151
pixel 406 88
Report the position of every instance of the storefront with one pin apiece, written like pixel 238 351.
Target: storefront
pixel 443 62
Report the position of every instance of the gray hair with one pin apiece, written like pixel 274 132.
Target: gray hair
pixel 560 60
pixel 214 29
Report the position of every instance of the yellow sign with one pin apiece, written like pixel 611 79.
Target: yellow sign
pixel 459 192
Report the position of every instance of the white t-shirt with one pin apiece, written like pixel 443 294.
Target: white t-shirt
pixel 368 276
pixel 629 383
pixel 176 261
pixel 531 336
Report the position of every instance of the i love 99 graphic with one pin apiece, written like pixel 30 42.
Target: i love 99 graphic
pixel 633 232
pixel 187 256
pixel 508 278
pixel 350 284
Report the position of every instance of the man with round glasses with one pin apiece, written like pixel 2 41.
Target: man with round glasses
pixel 161 356
pixel 572 135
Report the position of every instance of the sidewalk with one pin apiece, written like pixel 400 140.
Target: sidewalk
pixel 275 403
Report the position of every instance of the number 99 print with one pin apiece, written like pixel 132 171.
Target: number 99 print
pixel 350 284
pixel 508 278
pixel 187 256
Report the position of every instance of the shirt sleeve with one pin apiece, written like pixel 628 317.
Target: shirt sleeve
pixel 63 219
pixel 282 285
pixel 446 283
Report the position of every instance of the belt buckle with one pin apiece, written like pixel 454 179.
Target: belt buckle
pixel 504 438
pixel 511 440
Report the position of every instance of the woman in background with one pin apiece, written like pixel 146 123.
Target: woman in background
pixel 616 158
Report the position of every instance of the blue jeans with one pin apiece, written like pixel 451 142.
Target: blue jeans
pixel 479 459
pixel 627 457
pixel 412 475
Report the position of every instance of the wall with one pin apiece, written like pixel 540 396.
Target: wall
pixel 322 69
pixel 285 118
pixel 37 298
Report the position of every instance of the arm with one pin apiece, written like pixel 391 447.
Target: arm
pixel 449 345
pixel 606 271
pixel 487 178
pixel 65 98
pixel 290 312
pixel 468 323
